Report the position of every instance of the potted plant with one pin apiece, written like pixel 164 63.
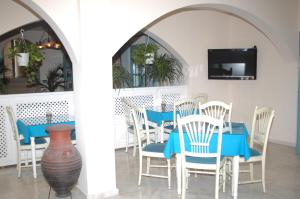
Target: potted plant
pixel 26 54
pixel 55 79
pixel 20 51
pixel 165 69
pixel 143 56
pixel 121 76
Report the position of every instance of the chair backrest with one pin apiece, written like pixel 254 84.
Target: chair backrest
pixel 12 120
pixel 200 130
pixel 261 125
pixel 184 108
pixel 127 105
pixel 141 126
pixel 201 98
pixel 217 110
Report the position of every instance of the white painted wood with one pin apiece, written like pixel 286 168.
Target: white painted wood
pixel 150 96
pixel 142 130
pixel 129 125
pixel 261 125
pixel 200 129
pixel 216 109
pixel 30 105
pixel 140 96
pixel 21 161
pixel 184 107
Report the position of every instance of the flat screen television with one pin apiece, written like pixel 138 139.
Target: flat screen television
pixel 238 63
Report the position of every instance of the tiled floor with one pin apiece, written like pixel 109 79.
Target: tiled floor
pixel 283 181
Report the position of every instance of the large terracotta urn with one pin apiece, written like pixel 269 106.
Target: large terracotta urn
pixel 61 161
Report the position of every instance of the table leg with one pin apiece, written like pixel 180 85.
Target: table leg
pixel 32 143
pixel 235 175
pixel 178 172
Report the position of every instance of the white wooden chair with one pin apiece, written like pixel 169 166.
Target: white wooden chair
pixel 23 150
pixel 200 129
pixel 216 109
pixel 148 150
pixel 128 105
pixel 129 123
pixel 201 98
pixel 261 125
pixel 184 108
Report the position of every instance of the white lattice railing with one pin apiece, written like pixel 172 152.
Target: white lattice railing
pixel 152 96
pixel 29 105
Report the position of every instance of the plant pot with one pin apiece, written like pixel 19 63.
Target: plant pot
pixel 22 59
pixel 61 162
pixel 149 58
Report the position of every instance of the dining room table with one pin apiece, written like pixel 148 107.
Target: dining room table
pixel 158 115
pixel 234 144
pixel 31 127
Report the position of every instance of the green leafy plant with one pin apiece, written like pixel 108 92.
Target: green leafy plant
pixel 55 79
pixel 140 54
pixel 35 57
pixel 165 69
pixel 121 76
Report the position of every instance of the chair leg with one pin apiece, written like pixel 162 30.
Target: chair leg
pixel 217 184
pixel 263 171
pixel 148 165
pixel 134 151
pixel 169 173
pixel 183 186
pixel 251 171
pixel 134 145
pixel 224 177
pixel 140 170
pixel 19 171
pixel 187 180
pixel 19 164
pixel 127 140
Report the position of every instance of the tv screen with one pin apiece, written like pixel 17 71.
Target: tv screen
pixel 238 63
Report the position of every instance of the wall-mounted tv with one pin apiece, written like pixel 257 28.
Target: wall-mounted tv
pixel 237 63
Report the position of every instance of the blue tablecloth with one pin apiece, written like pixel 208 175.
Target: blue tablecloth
pixel 233 143
pixel 157 115
pixel 36 130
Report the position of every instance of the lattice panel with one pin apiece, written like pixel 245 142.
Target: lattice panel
pixel 141 100
pixel 3 138
pixel 170 98
pixel 36 109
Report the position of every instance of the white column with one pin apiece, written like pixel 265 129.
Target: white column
pixel 94 104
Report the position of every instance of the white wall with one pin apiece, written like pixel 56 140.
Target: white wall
pixel 276 84
pixel 191 33
pixel 13 15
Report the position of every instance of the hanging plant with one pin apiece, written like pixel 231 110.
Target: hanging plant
pixel 143 52
pixel 35 57
pixel 143 56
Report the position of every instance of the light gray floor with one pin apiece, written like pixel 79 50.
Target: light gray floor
pixel 282 175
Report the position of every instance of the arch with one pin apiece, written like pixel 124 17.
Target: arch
pixel 168 47
pixel 276 39
pixel 35 8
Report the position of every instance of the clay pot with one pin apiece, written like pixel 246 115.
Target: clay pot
pixel 61 162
